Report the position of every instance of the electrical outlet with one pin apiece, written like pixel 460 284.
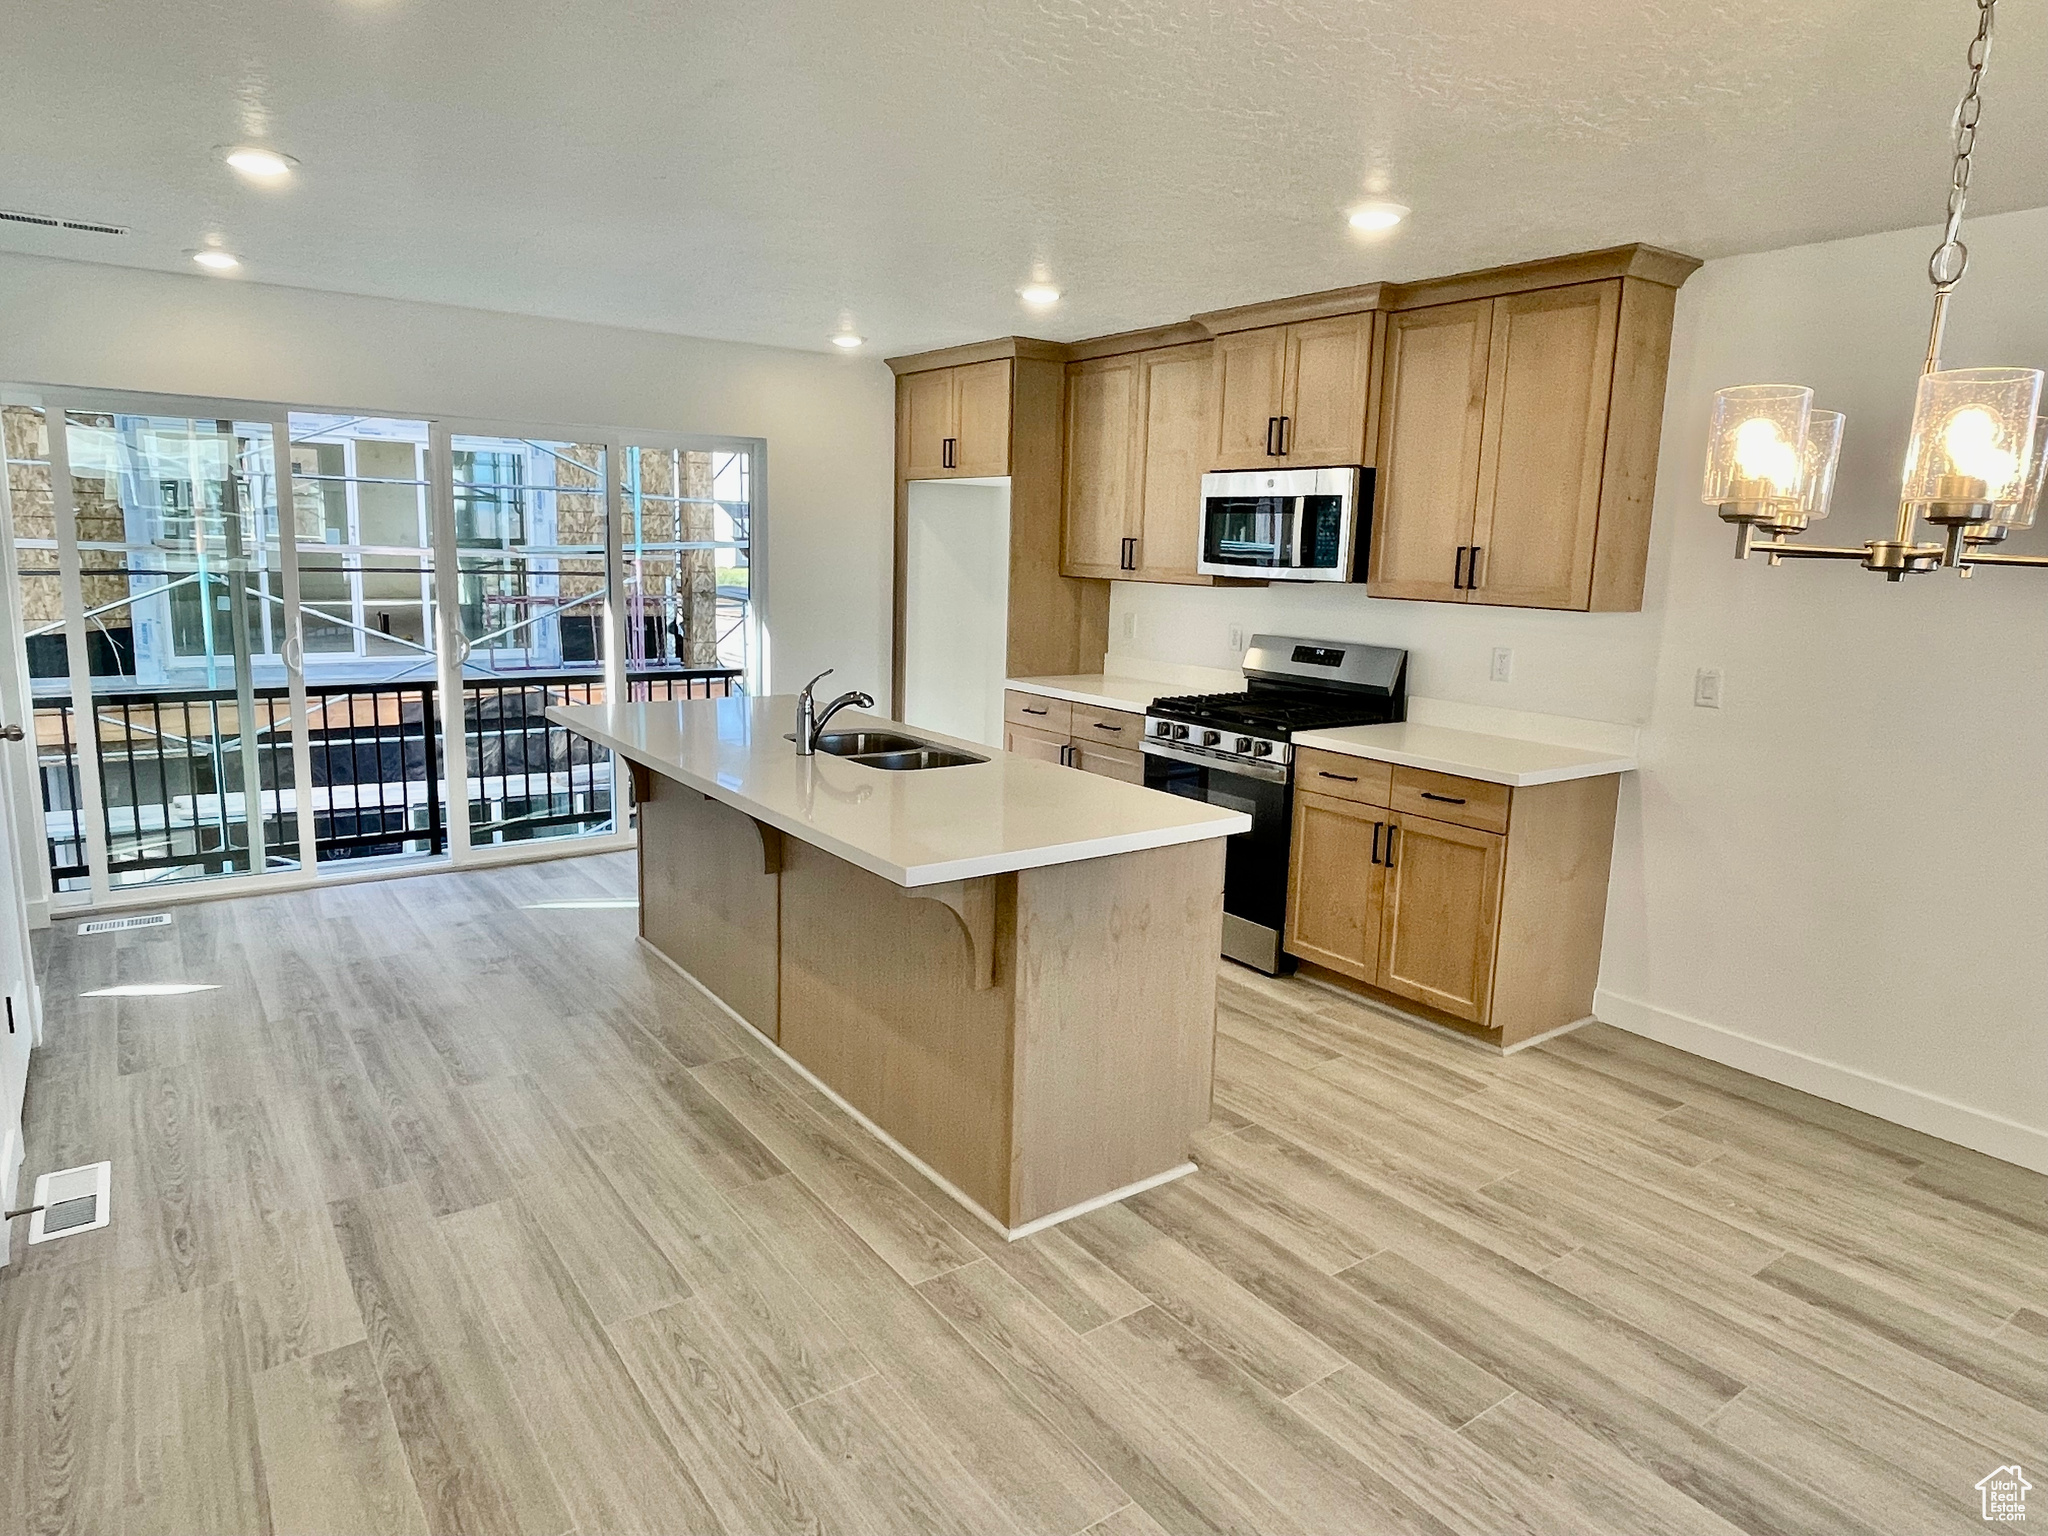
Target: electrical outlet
pixel 1130 626
pixel 1706 688
pixel 1237 639
pixel 1503 664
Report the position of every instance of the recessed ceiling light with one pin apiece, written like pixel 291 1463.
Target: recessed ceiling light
pixel 1039 295
pixel 1377 215
pixel 216 260
pixel 265 165
pixel 847 340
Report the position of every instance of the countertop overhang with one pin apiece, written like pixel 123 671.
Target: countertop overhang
pixel 1510 760
pixel 922 827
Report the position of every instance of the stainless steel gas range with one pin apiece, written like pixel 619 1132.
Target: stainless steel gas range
pixel 1237 750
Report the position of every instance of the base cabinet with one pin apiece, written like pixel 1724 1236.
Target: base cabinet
pixel 1487 912
pixel 1084 736
pixel 1336 885
pixel 1440 914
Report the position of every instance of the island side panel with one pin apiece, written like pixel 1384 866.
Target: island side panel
pixel 879 1000
pixel 708 896
pixel 1116 1021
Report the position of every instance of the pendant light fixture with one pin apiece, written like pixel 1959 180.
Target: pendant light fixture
pixel 1975 460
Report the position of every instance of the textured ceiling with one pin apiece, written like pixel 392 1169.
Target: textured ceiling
pixel 760 171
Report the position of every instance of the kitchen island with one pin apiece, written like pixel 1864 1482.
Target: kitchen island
pixel 1006 969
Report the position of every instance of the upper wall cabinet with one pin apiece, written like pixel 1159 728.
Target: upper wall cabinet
pixel 955 422
pixel 1294 394
pixel 1518 446
pixel 1139 428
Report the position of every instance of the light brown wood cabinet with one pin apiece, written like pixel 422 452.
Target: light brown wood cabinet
pixel 1084 736
pixel 955 421
pixel 1138 432
pixel 1102 451
pixel 1486 912
pixel 1294 394
pixel 1517 443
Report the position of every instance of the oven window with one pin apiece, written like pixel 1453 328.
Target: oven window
pixel 1248 530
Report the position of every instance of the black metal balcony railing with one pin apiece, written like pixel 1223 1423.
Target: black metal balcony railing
pixel 172 769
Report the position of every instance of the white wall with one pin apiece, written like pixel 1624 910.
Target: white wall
pixel 1840 879
pixel 828 420
pixel 956 616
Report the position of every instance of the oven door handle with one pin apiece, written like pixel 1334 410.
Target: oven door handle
pixel 1271 773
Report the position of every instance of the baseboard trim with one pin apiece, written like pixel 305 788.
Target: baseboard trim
pixel 952 1191
pixel 1917 1110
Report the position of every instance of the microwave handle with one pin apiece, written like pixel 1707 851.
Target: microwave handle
pixel 1294 547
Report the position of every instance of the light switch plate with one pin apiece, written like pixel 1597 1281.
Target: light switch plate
pixel 1503 664
pixel 1237 639
pixel 1130 626
pixel 1706 688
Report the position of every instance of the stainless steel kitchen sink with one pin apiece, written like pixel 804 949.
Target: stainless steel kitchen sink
pixel 918 757
pixel 866 743
pixel 891 751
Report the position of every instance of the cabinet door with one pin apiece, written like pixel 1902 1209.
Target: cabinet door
pixel 1177 425
pixel 1550 369
pixel 1432 418
pixel 924 401
pixel 1110 762
pixel 1042 745
pixel 1442 915
pixel 1102 437
pixel 1249 371
pixel 981 418
pixel 1334 885
pixel 1323 398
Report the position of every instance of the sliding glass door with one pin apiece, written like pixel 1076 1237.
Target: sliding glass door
pixel 368 652
pixel 262 642
pixel 170 568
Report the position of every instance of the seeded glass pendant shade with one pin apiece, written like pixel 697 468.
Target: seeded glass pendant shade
pixel 1973 431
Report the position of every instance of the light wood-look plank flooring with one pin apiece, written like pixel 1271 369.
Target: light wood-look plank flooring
pixel 449 1214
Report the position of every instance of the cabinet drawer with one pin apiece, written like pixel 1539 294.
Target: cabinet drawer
pixel 1040 714
pixel 1107 727
pixel 1110 762
pixel 1348 778
pixel 1446 797
pixel 1043 745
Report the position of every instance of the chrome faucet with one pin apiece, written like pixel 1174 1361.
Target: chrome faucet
pixel 811 722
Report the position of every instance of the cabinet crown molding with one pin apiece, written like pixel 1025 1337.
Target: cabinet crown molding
pixel 1645 263
pixel 980 352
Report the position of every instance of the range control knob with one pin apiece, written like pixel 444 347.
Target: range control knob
pixel 1243 744
pixel 1211 738
pixel 1180 733
pixel 1262 749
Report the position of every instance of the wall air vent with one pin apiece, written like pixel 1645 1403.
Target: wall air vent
pixel 123 924
pixel 52 221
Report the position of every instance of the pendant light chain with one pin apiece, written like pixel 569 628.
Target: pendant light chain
pixel 1952 251
pixel 1951 259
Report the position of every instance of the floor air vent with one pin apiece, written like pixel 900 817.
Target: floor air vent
pixel 52 221
pixel 123 924
pixel 71 1201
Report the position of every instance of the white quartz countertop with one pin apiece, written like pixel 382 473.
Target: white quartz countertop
pixel 1104 690
pixel 920 827
pixel 1508 760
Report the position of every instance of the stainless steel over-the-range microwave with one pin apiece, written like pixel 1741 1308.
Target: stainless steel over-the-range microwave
pixel 1285 524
